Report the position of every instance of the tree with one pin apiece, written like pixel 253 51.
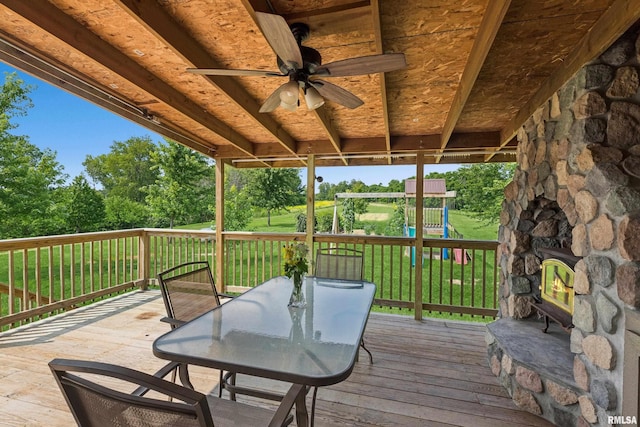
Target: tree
pixel 348 215
pixel 177 194
pixel 480 188
pixel 14 100
pixel 274 189
pixel 126 169
pixel 325 191
pixel 359 205
pixel 86 210
pixel 237 210
pixel 395 227
pixel 124 213
pixel 29 177
pixel 395 186
pixel 238 178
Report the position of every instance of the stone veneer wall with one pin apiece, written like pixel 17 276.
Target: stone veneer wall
pixel 580 150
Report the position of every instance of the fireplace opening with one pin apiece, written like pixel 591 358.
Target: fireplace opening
pixel 557 284
pixel 555 298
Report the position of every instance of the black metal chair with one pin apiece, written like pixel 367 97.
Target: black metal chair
pixel 188 291
pixel 341 264
pixel 96 399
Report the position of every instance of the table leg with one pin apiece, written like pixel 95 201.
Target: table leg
pixel 183 373
pixel 302 416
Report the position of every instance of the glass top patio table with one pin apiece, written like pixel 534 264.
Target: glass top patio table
pixel 257 334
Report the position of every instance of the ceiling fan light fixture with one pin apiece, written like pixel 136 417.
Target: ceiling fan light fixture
pixel 313 98
pixel 289 93
pixel 289 107
pixel 301 64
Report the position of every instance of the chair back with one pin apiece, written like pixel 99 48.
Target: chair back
pixel 188 290
pixel 95 400
pixel 339 263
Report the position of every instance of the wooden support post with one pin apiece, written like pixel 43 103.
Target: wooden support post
pixel 220 258
pixel 419 233
pixel 144 259
pixel 311 198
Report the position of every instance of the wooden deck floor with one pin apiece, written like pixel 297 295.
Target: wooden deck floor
pixel 429 373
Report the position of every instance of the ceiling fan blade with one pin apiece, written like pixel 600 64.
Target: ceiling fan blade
pixel 273 101
pixel 278 34
pixel 336 94
pixel 363 65
pixel 223 72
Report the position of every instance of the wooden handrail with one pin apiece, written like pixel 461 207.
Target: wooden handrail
pixel 52 273
pixel 4 289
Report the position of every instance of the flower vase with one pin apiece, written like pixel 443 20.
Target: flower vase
pixel 297 296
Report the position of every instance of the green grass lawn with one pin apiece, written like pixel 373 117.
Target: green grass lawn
pixel 444 282
pixel 386 208
pixel 472 228
pixel 391 269
pixel 281 222
pixel 285 222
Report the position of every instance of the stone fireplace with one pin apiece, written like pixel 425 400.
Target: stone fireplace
pixel 576 188
pixel 555 299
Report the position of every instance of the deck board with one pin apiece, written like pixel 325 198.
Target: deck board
pixel 428 373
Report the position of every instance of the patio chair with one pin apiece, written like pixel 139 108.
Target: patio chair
pixel 95 398
pixel 342 264
pixel 188 291
pixel 339 263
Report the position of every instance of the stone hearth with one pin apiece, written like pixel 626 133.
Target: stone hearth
pixel 577 186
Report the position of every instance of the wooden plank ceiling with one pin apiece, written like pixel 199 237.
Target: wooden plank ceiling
pixel 476 70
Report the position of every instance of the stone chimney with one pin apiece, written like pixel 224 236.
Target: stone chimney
pixel 577 186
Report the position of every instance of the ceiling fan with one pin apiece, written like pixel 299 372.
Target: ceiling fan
pixel 303 66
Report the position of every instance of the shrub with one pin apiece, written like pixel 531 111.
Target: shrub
pixel 324 222
pixel 301 222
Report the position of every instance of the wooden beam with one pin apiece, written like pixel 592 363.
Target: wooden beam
pixel 611 25
pixel 253 6
pixel 157 21
pixel 491 21
pixel 324 21
pixel 63 27
pixel 333 20
pixel 459 143
pixel 377 30
pixel 35 63
pixel 331 12
pixel 325 121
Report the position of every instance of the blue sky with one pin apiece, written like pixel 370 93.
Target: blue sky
pixel 74 128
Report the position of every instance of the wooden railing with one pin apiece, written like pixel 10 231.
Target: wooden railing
pixel 459 276
pixel 46 275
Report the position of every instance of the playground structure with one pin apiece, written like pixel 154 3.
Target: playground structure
pixel 435 222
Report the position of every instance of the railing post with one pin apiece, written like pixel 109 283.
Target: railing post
pixel 419 233
pixel 144 259
pixel 311 179
pixel 220 258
